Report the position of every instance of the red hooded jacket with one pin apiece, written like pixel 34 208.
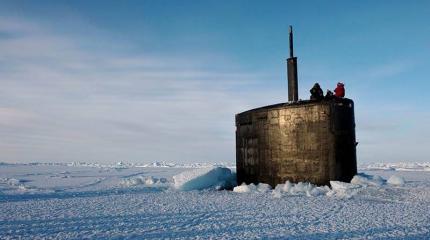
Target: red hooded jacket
pixel 340 90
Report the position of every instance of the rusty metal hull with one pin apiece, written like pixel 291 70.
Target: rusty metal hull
pixel 293 89
pixel 302 141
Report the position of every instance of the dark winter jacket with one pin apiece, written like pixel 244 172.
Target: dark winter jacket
pixel 316 92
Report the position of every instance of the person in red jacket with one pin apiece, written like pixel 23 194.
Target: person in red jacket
pixel 340 90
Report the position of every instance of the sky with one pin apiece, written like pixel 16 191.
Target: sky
pixel 144 81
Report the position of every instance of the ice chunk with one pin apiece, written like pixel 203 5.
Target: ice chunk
pixel 396 180
pixel 343 189
pixel 287 187
pixel 263 188
pixel 277 192
pixel 319 191
pixel 245 188
pixel 337 185
pixel 202 178
pixel 252 188
pixel 301 188
pixel 150 180
pixel 367 180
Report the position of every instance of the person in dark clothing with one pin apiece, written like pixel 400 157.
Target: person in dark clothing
pixel 316 92
pixel 340 90
pixel 329 95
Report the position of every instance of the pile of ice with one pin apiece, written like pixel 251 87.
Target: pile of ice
pixel 223 178
pixel 338 189
pixel 343 189
pixel 301 188
pixel 252 188
pixel 359 182
pixel 142 180
pixel 280 190
pixel 204 178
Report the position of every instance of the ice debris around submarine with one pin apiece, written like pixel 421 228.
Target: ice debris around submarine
pixel 338 189
pixel 223 178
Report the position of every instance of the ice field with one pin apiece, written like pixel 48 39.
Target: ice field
pixel 59 201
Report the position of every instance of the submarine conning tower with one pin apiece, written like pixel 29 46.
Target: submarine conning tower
pixel 300 141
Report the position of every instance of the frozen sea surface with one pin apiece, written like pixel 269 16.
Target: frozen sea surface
pixel 59 202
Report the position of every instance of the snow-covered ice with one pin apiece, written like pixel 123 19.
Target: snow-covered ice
pixel 58 201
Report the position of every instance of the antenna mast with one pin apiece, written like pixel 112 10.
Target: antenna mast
pixel 291 41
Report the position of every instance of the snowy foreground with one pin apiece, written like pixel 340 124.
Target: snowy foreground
pixel 124 201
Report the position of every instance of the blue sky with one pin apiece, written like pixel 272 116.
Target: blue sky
pixel 143 81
